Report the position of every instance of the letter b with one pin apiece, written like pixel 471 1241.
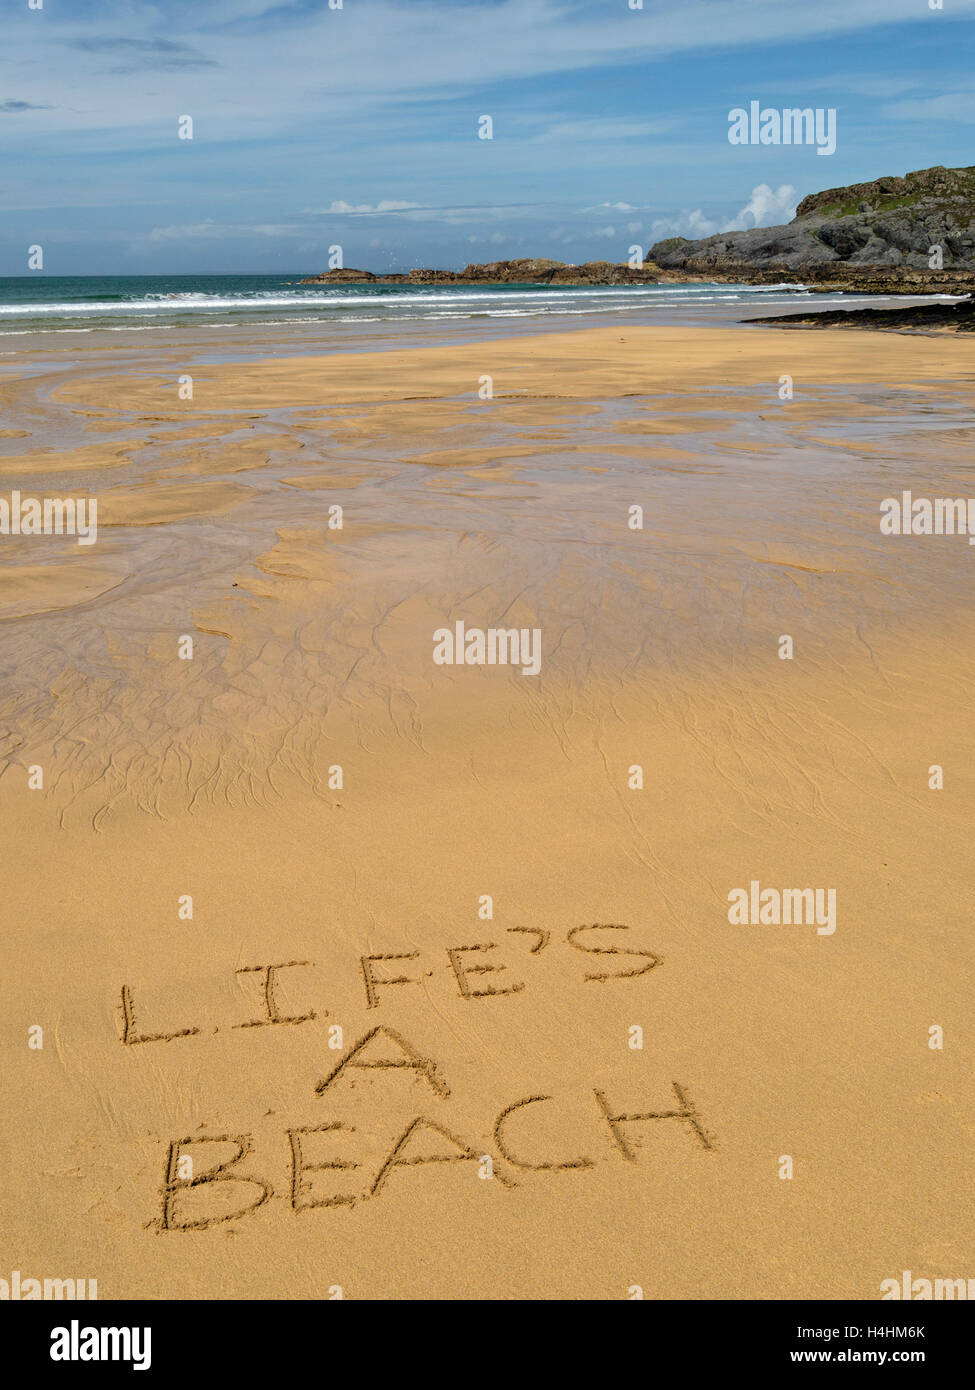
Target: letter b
pixel 175 1187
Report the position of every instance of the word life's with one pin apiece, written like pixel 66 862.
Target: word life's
pixel 469 965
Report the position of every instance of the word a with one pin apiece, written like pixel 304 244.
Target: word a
pixel 789 906
pixel 498 646
pixel 24 1290
pixel 922 1289
pixel 103 1344
pixel 54 516
pixel 922 516
pixel 791 126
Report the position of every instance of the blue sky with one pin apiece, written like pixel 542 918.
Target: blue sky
pixel 358 126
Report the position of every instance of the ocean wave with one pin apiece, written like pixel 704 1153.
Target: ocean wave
pixel 367 296
pixel 281 306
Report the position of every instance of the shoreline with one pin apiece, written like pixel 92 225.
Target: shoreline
pixel 424 314
pixel 241 341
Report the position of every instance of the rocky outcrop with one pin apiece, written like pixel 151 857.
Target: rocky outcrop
pixel 916 318
pixel 868 236
pixel 522 272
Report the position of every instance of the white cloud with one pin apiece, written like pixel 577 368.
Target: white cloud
pixel 278 66
pixel 765 208
pixel 602 129
pixel 951 106
pixel 420 212
pixel 387 205
pixel 495 239
pixel 690 224
pixel 219 231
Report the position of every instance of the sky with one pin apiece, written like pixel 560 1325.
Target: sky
pixel 358 126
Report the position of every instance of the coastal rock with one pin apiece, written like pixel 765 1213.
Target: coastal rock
pixel 529 271
pixel 915 318
pixel 869 236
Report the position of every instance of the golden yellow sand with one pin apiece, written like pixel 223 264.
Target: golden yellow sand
pixel 215 777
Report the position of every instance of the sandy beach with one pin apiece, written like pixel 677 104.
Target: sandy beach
pixel 456 1009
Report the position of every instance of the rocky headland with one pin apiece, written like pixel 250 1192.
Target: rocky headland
pixel 876 238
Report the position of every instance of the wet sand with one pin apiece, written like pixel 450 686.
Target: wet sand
pixel 324 792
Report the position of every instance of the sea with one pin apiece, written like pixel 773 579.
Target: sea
pixel 134 303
